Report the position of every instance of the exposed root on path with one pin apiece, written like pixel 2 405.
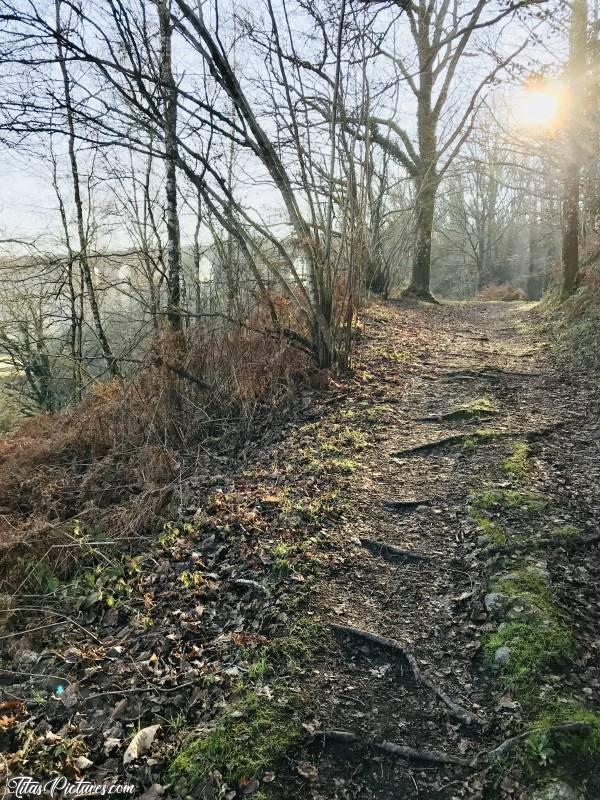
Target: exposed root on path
pixel 514 741
pixel 391 553
pixel 458 414
pixel 547 542
pixel 401 505
pixel 391 748
pixel 455 438
pixel 462 438
pixel 454 709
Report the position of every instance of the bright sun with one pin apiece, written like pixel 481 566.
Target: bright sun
pixel 537 108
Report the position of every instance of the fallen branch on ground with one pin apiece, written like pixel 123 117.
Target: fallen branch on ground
pixel 454 709
pixel 389 552
pixel 432 756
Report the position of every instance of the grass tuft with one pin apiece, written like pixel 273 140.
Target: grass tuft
pixel 496 499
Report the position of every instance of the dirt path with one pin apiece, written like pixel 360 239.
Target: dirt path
pixel 423 364
pixel 235 634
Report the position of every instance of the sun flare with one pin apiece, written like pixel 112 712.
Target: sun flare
pixel 538 107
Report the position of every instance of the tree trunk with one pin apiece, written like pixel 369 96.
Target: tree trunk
pixel 109 357
pixel 577 76
pixel 533 282
pixel 421 268
pixel 169 98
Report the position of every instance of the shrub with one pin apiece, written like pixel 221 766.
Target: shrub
pixel 113 461
pixel 501 291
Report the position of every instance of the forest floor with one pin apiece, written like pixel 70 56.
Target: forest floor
pixel 446 497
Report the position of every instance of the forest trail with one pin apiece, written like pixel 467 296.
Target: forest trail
pixel 455 392
pixel 245 633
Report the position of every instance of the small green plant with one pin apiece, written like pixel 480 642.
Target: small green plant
pixel 169 536
pixel 401 356
pixel 191 580
pixel 539 747
pixel 556 710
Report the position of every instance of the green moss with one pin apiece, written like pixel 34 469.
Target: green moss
pixel 290 653
pixel 537 643
pixel 311 509
pixel 255 734
pixel 283 654
pixel 336 438
pixel 477 409
pixel 535 646
pixel 495 499
pixel 492 530
pixel 529 583
pixel 517 464
pixel 557 710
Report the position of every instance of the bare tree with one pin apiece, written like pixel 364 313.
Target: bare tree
pixel 440 33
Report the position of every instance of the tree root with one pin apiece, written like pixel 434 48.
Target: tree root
pixel 414 293
pixel 459 438
pixel 458 415
pixel 566 727
pixel 391 748
pixel 454 709
pixel 391 553
pixel 401 505
pixel 486 373
pixel 437 756
pixel 456 438
pixel 538 544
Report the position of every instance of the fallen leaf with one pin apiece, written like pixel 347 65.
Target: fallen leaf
pixel 248 787
pixel 110 744
pixel 140 743
pixel 307 771
pixel 155 791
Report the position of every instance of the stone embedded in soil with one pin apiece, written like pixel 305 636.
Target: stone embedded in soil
pixel 512 607
pixel 502 655
pixel 557 790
